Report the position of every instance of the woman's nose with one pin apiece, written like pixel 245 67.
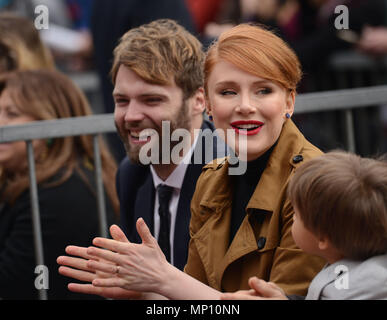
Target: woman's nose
pixel 245 106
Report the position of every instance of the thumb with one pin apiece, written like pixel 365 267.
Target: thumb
pixel 144 232
pixel 117 233
pixel 263 288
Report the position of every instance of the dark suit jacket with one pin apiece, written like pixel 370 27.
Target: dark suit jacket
pixel 68 215
pixel 136 193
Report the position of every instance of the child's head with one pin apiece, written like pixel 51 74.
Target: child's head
pixel 342 198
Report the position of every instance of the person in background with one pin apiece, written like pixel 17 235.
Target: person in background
pixel 24 8
pixel 352 192
pixel 65 177
pixel 21 47
pixel 240 224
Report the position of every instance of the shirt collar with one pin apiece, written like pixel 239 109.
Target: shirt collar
pixel 176 178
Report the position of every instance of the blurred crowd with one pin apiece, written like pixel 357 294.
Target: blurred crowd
pixel 308 25
pixel 81 38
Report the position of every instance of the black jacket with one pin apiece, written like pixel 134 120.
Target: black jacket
pixel 68 214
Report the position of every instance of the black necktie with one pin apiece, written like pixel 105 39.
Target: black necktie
pixel 165 193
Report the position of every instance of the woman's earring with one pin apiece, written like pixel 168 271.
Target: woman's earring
pixel 210 118
pixel 287 115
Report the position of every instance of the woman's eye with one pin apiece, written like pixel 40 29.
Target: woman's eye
pixel 227 92
pixel 264 91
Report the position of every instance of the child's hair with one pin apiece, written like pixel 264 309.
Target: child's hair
pixel 343 197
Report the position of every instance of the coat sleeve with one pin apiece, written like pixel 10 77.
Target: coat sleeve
pixel 292 268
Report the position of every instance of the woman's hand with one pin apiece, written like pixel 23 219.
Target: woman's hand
pixel 140 267
pixel 260 290
pixel 76 268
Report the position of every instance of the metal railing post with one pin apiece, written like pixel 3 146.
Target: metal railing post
pixel 100 191
pixel 350 131
pixel 37 231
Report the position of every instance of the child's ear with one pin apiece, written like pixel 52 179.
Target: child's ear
pixel 324 244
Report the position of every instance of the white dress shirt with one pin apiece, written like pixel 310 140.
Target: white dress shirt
pixel 174 180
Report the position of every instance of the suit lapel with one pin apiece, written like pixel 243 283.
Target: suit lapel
pixel 144 205
pixel 183 215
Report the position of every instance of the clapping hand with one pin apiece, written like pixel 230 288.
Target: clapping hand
pixel 77 268
pixel 139 267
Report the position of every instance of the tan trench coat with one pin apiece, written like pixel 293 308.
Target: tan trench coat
pixel 263 246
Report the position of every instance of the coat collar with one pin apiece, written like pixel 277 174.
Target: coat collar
pixel 276 173
pixel 290 144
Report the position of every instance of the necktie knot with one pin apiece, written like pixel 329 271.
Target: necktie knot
pixel 165 193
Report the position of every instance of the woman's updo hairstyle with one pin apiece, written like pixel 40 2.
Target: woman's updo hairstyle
pixel 258 51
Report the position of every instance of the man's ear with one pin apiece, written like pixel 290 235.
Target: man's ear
pixel 198 102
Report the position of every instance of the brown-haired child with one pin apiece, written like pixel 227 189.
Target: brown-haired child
pixel 340 203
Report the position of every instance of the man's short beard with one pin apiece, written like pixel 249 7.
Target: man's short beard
pixel 182 120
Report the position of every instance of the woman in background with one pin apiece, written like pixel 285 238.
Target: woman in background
pixel 65 177
pixel 21 47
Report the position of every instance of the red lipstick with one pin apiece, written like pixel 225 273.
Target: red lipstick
pixel 247 127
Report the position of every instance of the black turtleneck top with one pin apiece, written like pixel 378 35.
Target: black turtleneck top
pixel 243 188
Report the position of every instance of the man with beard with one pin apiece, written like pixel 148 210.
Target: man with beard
pixel 157 76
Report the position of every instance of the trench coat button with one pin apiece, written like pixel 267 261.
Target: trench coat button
pixel 298 158
pixel 261 242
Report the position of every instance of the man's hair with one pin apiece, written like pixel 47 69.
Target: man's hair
pixel 343 197
pixel 162 52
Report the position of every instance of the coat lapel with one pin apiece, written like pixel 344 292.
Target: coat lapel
pixel 198 160
pixel 275 175
pixel 320 281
